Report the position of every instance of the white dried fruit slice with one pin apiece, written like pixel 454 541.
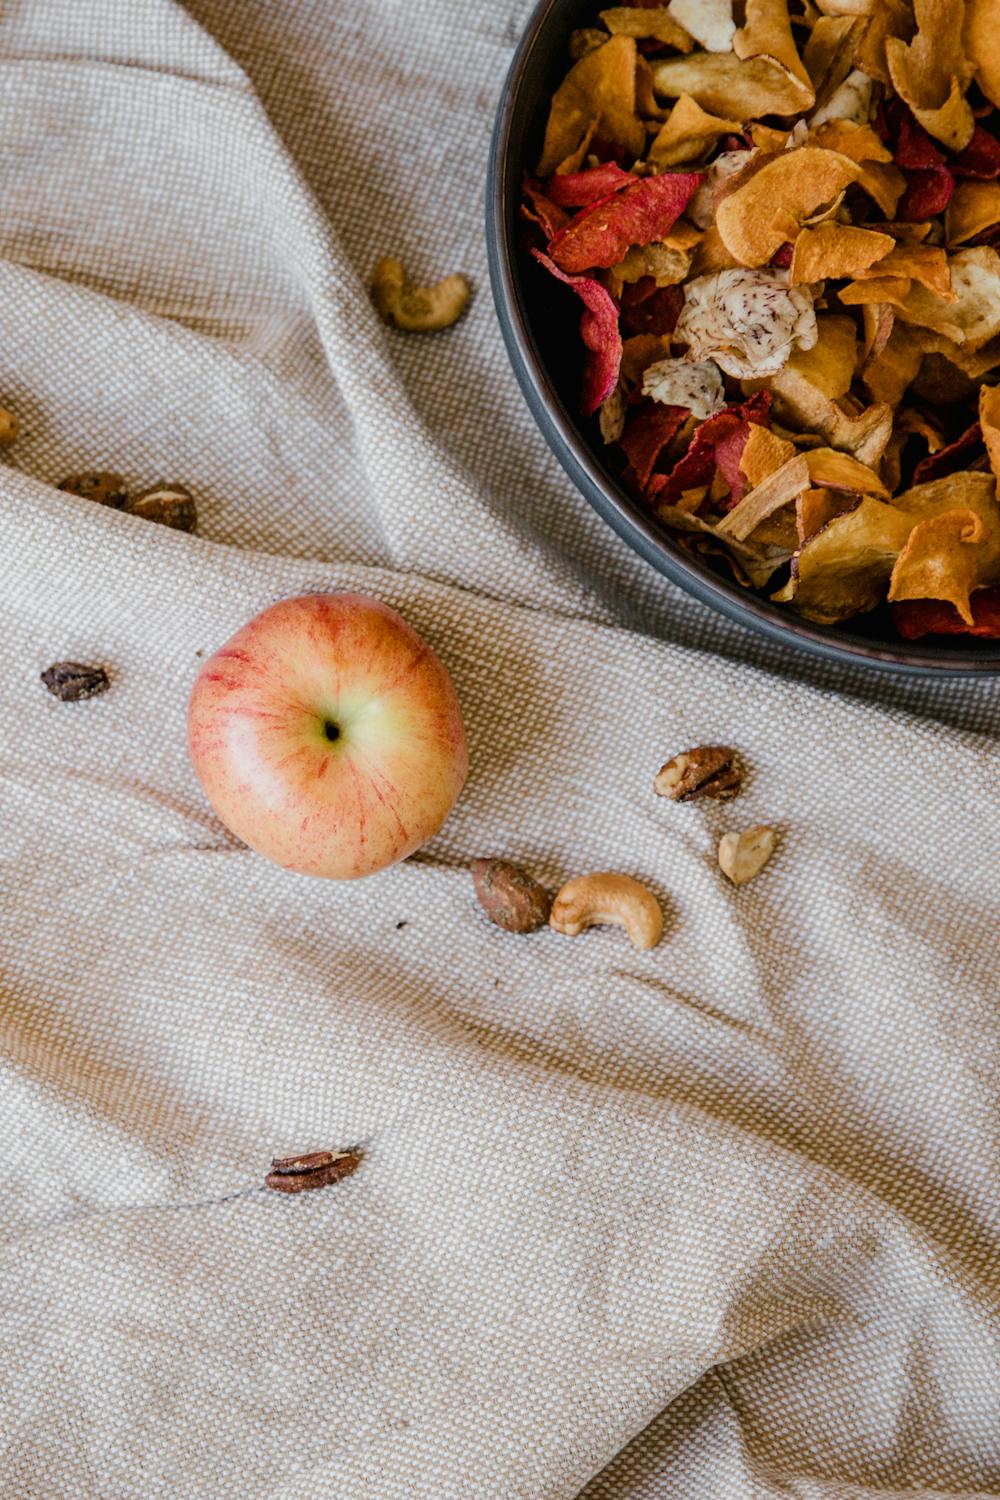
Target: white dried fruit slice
pixel 747 321
pixel 678 382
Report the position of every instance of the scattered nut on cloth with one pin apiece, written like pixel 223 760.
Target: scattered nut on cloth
pixel 715 1219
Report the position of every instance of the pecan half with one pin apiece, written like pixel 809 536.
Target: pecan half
pixel 316 1169
pixel 168 504
pixel 102 487
pixel 70 681
pixel 709 771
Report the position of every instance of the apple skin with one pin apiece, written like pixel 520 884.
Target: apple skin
pixel 258 734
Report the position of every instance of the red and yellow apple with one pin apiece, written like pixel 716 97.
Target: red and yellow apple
pixel 327 736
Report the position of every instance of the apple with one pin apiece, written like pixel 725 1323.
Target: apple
pixel 327 736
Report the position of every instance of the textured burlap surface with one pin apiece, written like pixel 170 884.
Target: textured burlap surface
pixel 721 1220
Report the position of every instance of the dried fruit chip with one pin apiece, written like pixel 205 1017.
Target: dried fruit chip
pixel 663 263
pixel 974 317
pixel 829 53
pixel 764 452
pixel 941 560
pixel 927 264
pixel 644 211
pixel 726 85
pixel 770 208
pixel 747 321
pixel 647 308
pixel 815 508
pixel 852 101
pixel 950 458
pixel 982 46
pixel 767 34
pixel 599 332
pixel 843 570
pixel 879 290
pixel 641 351
pixel 885 19
pixel 647 21
pixel 989 420
pixel 602 86
pixel 540 209
pixel 697 467
pixel 836 250
pixel 581 189
pixel 677 382
pixel 686 133
pixel 974 206
pixel 932 71
pixel 893 367
pixel 648 430
pixel 710 22
pixel 777 490
pixel 919 617
pixel 859 142
pixel 981 157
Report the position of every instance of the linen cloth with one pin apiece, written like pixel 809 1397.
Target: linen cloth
pixel 721 1220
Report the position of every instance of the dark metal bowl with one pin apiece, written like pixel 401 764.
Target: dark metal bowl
pixel 539 326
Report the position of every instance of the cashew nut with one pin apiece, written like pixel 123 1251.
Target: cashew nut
pixel 9 427
pixel 417 309
pixel 608 900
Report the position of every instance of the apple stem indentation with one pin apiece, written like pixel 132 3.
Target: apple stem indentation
pixel 331 730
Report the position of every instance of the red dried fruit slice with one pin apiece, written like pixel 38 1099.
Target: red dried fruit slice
pixel 927 195
pixel 599 332
pixel 582 189
pixel 648 430
pixel 727 433
pixel 958 455
pixel 646 210
pixel 980 159
pixel 647 308
pixel 914 618
pixel 541 210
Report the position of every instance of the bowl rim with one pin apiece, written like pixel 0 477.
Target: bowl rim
pixel 600 488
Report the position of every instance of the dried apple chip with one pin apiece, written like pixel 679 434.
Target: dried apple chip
pixel 927 264
pixel 601 85
pixel 829 53
pixel 726 85
pixel 646 210
pixel 710 22
pixel 941 560
pixel 974 206
pixel 859 142
pixel 843 570
pixel 755 220
pixel 665 264
pixel 881 289
pixel 931 73
pixel 815 508
pixel 836 250
pixel 887 18
pixel 653 21
pixel 767 34
pixel 764 452
pixel 982 46
pixel 891 369
pixel 830 469
pixel 686 133
pixel 989 421
pixel 778 489
pixel 641 351
pixel 973 318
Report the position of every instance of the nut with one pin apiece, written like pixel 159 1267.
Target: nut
pixel 169 504
pixel 9 428
pixel 72 680
pixel 744 855
pixel 608 900
pixel 509 896
pixel 103 487
pixel 417 309
pixel 709 771
pixel 317 1169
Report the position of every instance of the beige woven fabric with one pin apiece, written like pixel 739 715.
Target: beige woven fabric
pixel 717 1221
